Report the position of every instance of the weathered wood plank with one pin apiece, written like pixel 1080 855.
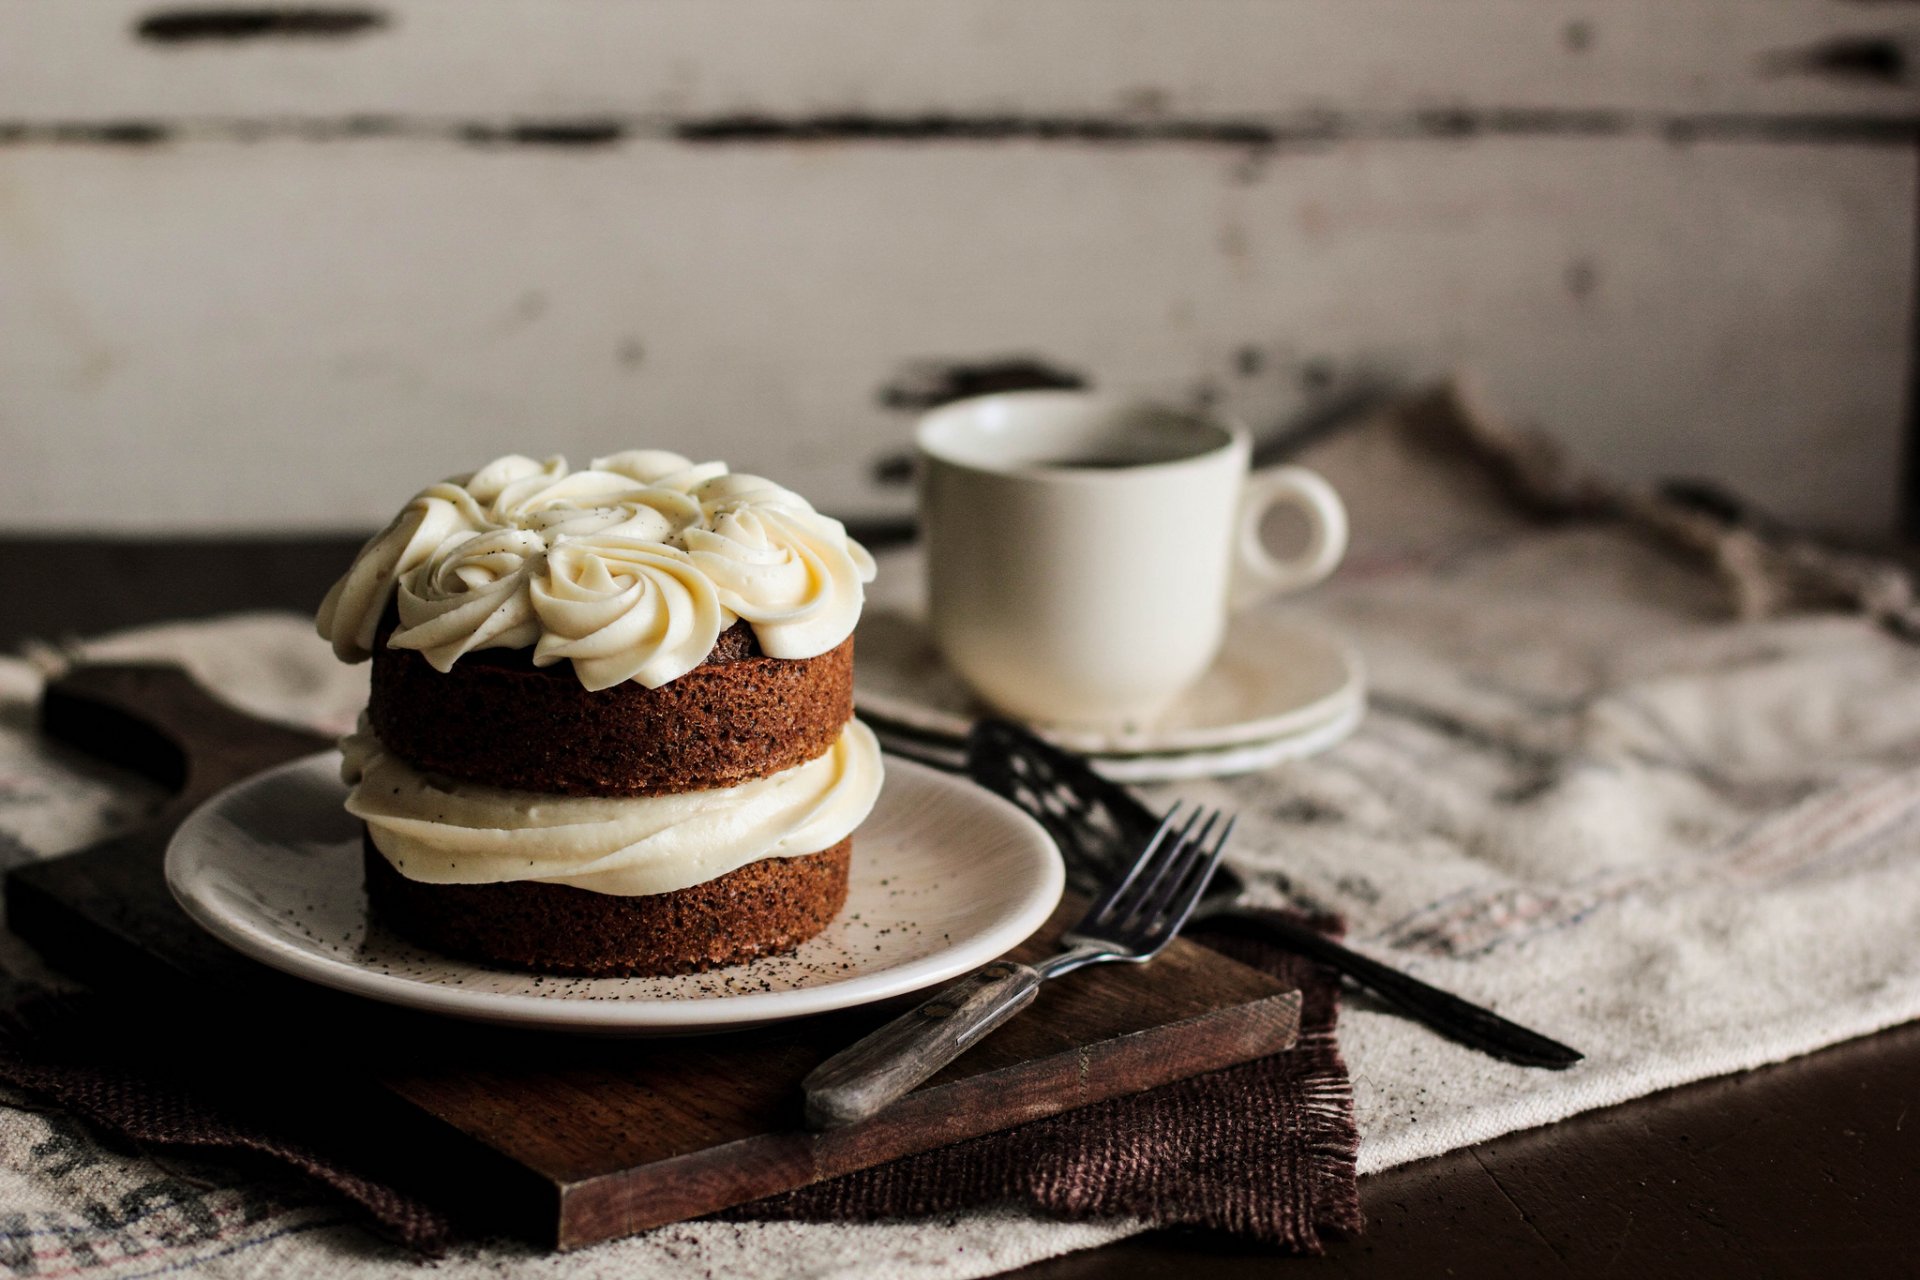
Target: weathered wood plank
pixel 1375 61
pixel 580 1139
pixel 221 337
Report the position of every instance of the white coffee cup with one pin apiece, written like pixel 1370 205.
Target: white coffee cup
pixel 1084 551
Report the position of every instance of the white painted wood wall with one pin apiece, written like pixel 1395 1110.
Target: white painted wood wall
pixel 257 280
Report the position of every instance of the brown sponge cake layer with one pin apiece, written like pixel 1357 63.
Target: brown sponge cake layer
pixel 497 719
pixel 761 909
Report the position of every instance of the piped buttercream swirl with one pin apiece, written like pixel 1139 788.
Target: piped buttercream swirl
pixel 442 832
pixel 629 569
pixel 624 609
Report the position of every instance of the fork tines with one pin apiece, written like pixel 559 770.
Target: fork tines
pixel 1145 908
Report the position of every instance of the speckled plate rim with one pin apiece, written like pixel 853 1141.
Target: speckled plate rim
pixel 240 930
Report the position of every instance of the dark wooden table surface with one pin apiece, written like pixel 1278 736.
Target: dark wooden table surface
pixel 1810 1168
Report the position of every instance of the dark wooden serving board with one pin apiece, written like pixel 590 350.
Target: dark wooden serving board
pixel 569 1140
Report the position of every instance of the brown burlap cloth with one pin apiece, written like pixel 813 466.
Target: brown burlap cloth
pixel 1262 1151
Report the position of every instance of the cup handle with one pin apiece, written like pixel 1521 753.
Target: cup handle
pixel 1258 572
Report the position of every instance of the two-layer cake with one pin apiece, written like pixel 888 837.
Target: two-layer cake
pixel 611 725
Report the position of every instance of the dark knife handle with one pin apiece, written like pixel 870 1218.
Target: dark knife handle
pixel 1457 1019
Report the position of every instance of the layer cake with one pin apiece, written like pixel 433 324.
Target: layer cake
pixel 610 728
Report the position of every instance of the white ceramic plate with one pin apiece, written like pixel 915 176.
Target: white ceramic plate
pixel 945 878
pixel 1223 762
pixel 1276 678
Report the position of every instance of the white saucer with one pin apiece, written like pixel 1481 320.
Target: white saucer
pixel 1276 679
pixel 945 878
pixel 1172 767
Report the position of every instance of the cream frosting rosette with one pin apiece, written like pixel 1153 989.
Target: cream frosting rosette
pixel 629 569
pixel 471 595
pixel 794 575
pixel 624 609
pixel 350 615
pixel 658 469
pixel 505 473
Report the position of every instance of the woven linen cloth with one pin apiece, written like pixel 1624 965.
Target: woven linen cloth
pixel 1598 789
pixel 1263 1150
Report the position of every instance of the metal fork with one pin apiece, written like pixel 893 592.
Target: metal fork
pixel 1132 920
pixel 1093 820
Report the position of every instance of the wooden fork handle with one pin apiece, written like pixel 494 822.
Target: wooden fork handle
pixel 869 1075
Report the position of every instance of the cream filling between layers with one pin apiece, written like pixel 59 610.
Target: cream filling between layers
pixel 439 831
